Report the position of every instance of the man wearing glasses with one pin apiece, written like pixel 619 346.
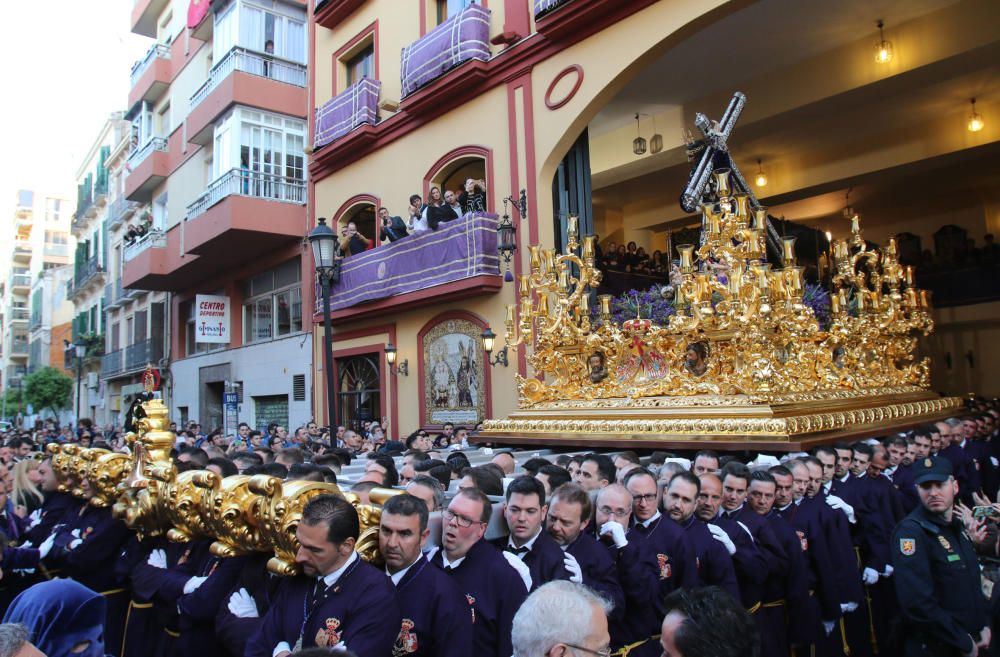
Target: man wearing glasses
pixel 492 587
pixel 562 619
pixel 639 583
pixel 665 556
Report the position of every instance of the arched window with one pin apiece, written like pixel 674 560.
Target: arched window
pixel 358 390
pixel 361 210
pixel 451 171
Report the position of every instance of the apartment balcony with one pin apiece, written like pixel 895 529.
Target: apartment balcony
pixel 151 76
pixel 245 213
pixel 250 79
pixel 461 38
pixel 457 260
pixel 24 217
pixel 131 359
pixel 22 251
pixel 55 250
pixel 19 346
pixel 19 316
pixel 88 277
pixel 112 363
pixel 148 167
pixel 20 283
pixel 120 210
pixel 355 106
pixel 146 15
pixel 148 261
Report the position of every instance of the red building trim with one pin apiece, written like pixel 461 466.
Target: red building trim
pixel 355 40
pixel 554 105
pixel 357 199
pixel 515 185
pixel 485 364
pixel 484 152
pixel 389 329
pixel 335 11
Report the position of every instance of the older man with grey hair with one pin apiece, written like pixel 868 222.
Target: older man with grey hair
pixel 562 618
pixel 14 642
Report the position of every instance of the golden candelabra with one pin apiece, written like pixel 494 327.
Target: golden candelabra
pixel 241 514
pixel 741 339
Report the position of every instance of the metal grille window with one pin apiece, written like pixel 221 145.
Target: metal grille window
pixel 359 390
pixel 299 387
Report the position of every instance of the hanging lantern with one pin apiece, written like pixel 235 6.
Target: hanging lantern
pixel 638 144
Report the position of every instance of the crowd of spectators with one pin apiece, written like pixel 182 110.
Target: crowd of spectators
pixel 440 207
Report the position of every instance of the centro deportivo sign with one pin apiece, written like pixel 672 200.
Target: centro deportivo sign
pixel 211 319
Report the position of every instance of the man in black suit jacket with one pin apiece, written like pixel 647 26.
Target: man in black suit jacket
pixel 392 228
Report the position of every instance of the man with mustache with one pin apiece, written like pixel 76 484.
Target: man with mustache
pixel 436 617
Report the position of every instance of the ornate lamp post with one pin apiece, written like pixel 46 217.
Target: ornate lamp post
pixel 326 258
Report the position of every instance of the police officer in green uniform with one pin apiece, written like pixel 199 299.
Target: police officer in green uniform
pixel 944 612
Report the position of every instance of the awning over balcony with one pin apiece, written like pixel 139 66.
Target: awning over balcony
pixel 356 105
pixel 458 249
pixel 464 36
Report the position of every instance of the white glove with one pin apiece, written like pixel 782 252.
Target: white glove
pixel 838 503
pixel 340 646
pixel 848 607
pixel 46 546
pixel 34 518
pixel 616 532
pixel 828 627
pixel 573 568
pixel 869 576
pixel 192 584
pixel 75 533
pixel 719 534
pixel 888 571
pixel 520 567
pixel 74 544
pixel 241 605
pixel 157 559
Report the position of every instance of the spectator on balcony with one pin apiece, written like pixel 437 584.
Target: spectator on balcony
pixel 352 242
pixel 473 199
pixel 451 200
pixel 631 259
pixel 268 63
pixel 417 222
pixel 610 256
pixel 392 228
pixel 436 211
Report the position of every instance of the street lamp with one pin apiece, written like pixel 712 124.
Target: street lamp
pixel 326 258
pixel 80 345
pixel 489 339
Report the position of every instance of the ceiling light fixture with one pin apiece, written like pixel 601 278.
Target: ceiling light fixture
pixel 883 49
pixel 638 144
pixel 761 178
pixel 975 119
pixel 656 141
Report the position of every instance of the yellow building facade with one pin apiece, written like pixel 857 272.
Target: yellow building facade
pixel 554 108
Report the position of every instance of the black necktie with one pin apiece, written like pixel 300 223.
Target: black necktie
pixel 642 529
pixel 517 550
pixel 318 592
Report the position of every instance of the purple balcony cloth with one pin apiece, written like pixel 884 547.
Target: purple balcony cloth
pixel 464 36
pixel 347 110
pixel 458 249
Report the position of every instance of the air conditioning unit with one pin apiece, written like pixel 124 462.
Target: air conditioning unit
pixel 92 380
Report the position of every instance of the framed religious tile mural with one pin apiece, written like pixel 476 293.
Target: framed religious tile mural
pixel 453 385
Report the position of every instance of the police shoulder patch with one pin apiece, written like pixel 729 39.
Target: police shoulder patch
pixel 907 546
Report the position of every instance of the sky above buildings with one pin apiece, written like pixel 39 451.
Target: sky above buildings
pixel 66 68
